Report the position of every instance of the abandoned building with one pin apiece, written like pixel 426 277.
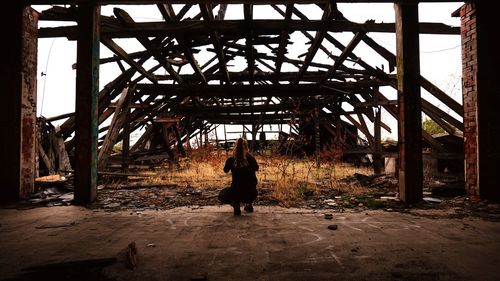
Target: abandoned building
pixel 332 109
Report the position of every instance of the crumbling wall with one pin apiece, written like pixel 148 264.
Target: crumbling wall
pixel 28 102
pixel 469 89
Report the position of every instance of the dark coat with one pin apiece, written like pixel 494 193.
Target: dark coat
pixel 244 182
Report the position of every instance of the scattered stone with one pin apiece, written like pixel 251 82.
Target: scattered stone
pixel 328 216
pixel 432 200
pixel 389 210
pixel 332 227
pixel 360 205
pixel 151 245
pixel 112 205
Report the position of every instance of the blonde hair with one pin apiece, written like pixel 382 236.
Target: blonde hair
pixel 240 152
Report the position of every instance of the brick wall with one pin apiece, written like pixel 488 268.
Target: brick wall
pixel 469 90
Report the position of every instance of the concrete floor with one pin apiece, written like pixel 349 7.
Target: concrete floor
pixel 273 243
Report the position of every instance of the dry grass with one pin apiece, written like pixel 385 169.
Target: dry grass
pixel 285 179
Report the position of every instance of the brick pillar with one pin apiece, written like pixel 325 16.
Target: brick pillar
pixel 469 91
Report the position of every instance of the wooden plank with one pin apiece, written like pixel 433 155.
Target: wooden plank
pixel 410 119
pixel 87 90
pixel 119 117
pixel 343 56
pixel 112 46
pixel 442 96
pixel 61 154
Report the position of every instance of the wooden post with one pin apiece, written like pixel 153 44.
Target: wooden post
pixel 87 89
pixel 377 149
pixel 317 140
pixel 117 122
pixel 180 146
pixel 409 104
pixel 126 142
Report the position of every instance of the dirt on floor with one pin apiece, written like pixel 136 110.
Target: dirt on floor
pixel 272 243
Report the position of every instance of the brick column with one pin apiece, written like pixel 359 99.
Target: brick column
pixel 469 90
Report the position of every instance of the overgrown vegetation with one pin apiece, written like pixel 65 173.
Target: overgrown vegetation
pixel 285 179
pixel 431 127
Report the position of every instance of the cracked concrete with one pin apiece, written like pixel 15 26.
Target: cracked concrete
pixel 209 243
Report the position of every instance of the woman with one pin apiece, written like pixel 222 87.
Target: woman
pixel 243 187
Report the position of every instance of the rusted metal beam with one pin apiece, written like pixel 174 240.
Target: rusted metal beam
pixel 409 103
pixel 87 90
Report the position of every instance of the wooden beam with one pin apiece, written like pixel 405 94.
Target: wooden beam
pixel 410 109
pixel 124 56
pixel 124 17
pixel 87 89
pixel 207 13
pixel 316 43
pixel 248 14
pixel 281 50
pixel 343 56
pixel 283 90
pixel 238 27
pixel 255 2
pixel 119 116
pixel 169 15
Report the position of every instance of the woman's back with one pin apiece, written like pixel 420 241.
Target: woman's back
pixel 242 176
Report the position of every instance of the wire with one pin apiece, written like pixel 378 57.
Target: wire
pixel 45 74
pixel 441 50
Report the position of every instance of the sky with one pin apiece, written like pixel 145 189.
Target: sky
pixel 440 55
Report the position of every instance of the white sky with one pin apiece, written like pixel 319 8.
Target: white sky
pixel 440 57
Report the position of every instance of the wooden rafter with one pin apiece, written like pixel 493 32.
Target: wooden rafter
pixel 343 56
pixel 238 27
pixel 124 56
pixel 316 43
pixel 206 11
pixel 149 45
pixel 280 53
pixel 169 15
pixel 248 14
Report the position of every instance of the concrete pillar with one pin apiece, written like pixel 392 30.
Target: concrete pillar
pixel 409 105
